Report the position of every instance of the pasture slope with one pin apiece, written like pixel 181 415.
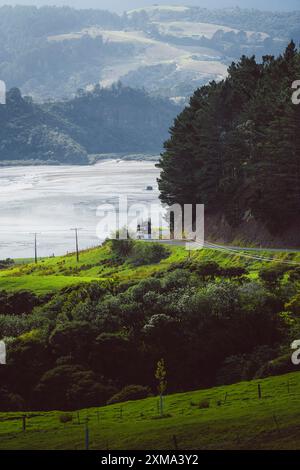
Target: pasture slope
pixel 53 274
pixel 227 417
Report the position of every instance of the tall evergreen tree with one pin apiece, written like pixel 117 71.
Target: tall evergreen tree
pixel 236 147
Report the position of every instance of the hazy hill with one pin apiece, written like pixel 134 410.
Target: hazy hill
pixel 119 119
pixel 50 52
pixel 29 133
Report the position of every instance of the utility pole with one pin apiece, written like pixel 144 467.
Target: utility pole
pixel 149 228
pixel 35 249
pixel 76 242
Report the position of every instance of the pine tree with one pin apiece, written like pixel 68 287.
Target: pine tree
pixel 236 147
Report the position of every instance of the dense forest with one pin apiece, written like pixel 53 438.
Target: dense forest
pixel 210 321
pixel 118 119
pixel 236 147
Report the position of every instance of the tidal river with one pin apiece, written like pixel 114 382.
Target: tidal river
pixel 51 200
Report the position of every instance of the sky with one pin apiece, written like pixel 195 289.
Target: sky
pixel 121 5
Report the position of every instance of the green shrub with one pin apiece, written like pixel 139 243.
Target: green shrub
pixel 233 271
pixel 70 387
pixel 122 248
pixel 208 269
pixel 279 366
pixel 143 287
pixel 164 416
pixel 232 370
pixel 65 418
pixel 6 263
pixel 244 366
pixel 146 253
pixel 178 279
pixel 204 404
pixel 294 275
pixel 272 275
pixel 11 401
pixel 131 392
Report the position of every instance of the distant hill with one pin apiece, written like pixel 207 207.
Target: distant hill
pixel 118 119
pixel 50 52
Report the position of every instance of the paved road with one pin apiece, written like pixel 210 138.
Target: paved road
pixel 212 246
pixel 257 249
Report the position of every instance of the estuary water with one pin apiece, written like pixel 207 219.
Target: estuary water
pixel 51 200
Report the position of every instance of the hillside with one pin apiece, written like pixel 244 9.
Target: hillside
pixel 54 274
pixel 74 329
pixel 168 51
pixel 119 119
pixel 234 418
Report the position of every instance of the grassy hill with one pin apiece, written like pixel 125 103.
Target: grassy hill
pixel 53 274
pixel 234 419
pixel 214 317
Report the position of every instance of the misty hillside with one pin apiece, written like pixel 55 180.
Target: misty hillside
pixel 118 119
pixel 170 51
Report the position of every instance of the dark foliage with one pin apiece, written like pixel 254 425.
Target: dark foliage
pixel 18 303
pixel 131 392
pixel 236 147
pixel 87 343
pixel 118 119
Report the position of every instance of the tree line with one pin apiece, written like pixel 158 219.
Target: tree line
pixel 116 119
pixel 236 147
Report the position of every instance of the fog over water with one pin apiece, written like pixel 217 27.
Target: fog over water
pixel 50 200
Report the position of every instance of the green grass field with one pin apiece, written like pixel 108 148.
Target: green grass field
pixel 236 419
pixel 52 274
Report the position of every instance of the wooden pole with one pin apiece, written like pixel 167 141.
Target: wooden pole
pixel 35 249
pixel 87 435
pixel 24 423
pixel 77 248
pixel 175 442
pixel 76 242
pixel 149 228
pixel 161 404
pixel 259 391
